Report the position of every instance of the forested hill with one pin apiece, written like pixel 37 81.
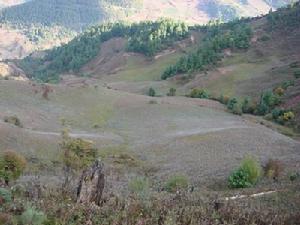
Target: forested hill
pixel 145 37
pixel 78 14
pixel 69 13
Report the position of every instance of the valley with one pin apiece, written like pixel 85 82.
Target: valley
pixel 172 111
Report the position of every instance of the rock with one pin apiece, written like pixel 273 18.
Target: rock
pixel 91 185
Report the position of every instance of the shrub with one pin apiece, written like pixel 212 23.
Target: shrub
pixel 172 92
pixel 287 84
pixel 239 179
pixel 282 116
pixel 151 92
pixel 234 106
pixel 140 186
pixel 288 116
pixel 78 153
pixel 13 120
pixel 12 165
pixel 276 113
pixel 177 182
pixel 5 195
pixel 32 216
pixel 279 91
pixel 199 93
pixel 246 175
pixel 262 109
pixel 248 106
pixel 268 101
pixel 253 168
pixel 273 169
pixel 294 176
pixel 297 73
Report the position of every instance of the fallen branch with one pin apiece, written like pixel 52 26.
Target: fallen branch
pixel 249 196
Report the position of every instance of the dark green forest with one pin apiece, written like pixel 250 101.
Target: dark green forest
pixel 145 37
pixel 233 35
pixel 72 14
pixel 285 18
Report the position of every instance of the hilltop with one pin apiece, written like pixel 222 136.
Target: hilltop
pixel 76 14
pixel 42 24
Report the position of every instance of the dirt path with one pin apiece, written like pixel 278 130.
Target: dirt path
pixel 79 134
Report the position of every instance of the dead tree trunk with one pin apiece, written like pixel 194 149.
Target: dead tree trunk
pixel 91 185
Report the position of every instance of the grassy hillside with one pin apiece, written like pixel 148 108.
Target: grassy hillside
pixel 175 157
pixel 269 62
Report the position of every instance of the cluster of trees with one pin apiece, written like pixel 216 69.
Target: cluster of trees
pixel 218 37
pixel 72 14
pixel 75 14
pixel 283 18
pixel 145 37
pixel 38 33
pixel 151 37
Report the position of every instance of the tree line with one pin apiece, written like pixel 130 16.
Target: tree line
pixel 146 37
pixel 236 34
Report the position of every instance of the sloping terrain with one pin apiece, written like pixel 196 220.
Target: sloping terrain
pixel 176 135
pixel 80 14
pixel 145 142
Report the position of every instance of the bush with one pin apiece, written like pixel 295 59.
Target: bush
pixel 273 169
pixel 248 106
pixel 279 91
pixel 78 153
pixel 262 109
pixel 5 195
pixel 12 165
pixel 268 101
pixel 297 73
pixel 288 116
pixel 282 116
pixel 253 168
pixel 151 92
pixel 234 106
pixel 13 120
pixel 199 93
pixel 176 183
pixel 32 216
pixel 287 84
pixel 276 113
pixel 172 92
pixel 140 186
pixel 239 179
pixel 246 175
pixel 294 176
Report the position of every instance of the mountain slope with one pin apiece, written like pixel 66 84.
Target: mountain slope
pixel 77 14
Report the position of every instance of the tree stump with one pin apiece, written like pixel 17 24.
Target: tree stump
pixel 91 185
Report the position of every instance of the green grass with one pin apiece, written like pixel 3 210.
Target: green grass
pixel 228 83
pixel 138 69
